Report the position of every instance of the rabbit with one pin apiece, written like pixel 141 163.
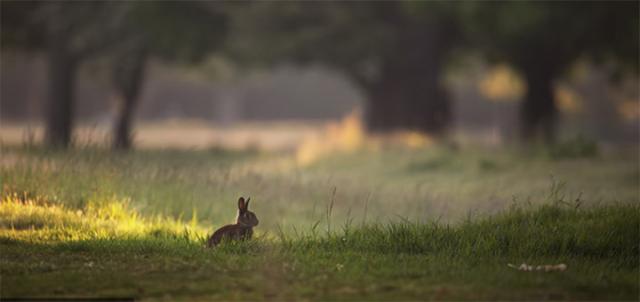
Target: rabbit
pixel 241 230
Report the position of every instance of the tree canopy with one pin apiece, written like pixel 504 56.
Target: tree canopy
pixel 543 39
pixel 72 32
pixel 393 51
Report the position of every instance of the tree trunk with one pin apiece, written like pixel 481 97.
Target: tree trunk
pixel 122 129
pixel 538 111
pixel 59 115
pixel 419 104
pixel 128 76
pixel 409 94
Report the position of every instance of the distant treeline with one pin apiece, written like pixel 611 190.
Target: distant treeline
pixel 396 53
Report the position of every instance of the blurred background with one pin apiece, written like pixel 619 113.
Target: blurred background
pixel 289 75
pixel 430 111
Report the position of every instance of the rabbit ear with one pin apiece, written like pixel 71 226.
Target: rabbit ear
pixel 246 205
pixel 241 205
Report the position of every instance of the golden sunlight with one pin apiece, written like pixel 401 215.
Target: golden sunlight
pixel 349 135
pixel 501 84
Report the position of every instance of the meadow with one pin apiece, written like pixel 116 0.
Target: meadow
pixel 386 223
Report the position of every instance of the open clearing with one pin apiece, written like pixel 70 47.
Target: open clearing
pixel 390 223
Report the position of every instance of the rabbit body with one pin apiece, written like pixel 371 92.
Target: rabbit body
pixel 230 232
pixel 241 230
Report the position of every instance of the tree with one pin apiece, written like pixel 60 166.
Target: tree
pixel 127 32
pixel 179 32
pixel 543 39
pixel 68 33
pixel 127 78
pixel 395 52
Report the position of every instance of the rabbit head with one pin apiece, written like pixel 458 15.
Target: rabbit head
pixel 245 217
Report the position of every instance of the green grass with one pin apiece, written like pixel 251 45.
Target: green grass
pixel 387 225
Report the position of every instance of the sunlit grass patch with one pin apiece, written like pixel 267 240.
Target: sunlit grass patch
pixel 30 220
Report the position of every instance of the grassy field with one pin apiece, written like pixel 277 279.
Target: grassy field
pixel 386 224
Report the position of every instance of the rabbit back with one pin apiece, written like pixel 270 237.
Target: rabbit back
pixel 230 232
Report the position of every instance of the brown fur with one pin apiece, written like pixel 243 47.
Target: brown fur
pixel 230 232
pixel 241 230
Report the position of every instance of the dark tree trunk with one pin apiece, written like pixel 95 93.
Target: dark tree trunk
pixel 538 111
pixel 128 76
pixel 59 114
pixel 408 104
pixel 409 94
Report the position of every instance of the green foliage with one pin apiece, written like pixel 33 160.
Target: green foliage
pixel 370 35
pixel 16 24
pixel 79 28
pixel 555 34
pixel 185 31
